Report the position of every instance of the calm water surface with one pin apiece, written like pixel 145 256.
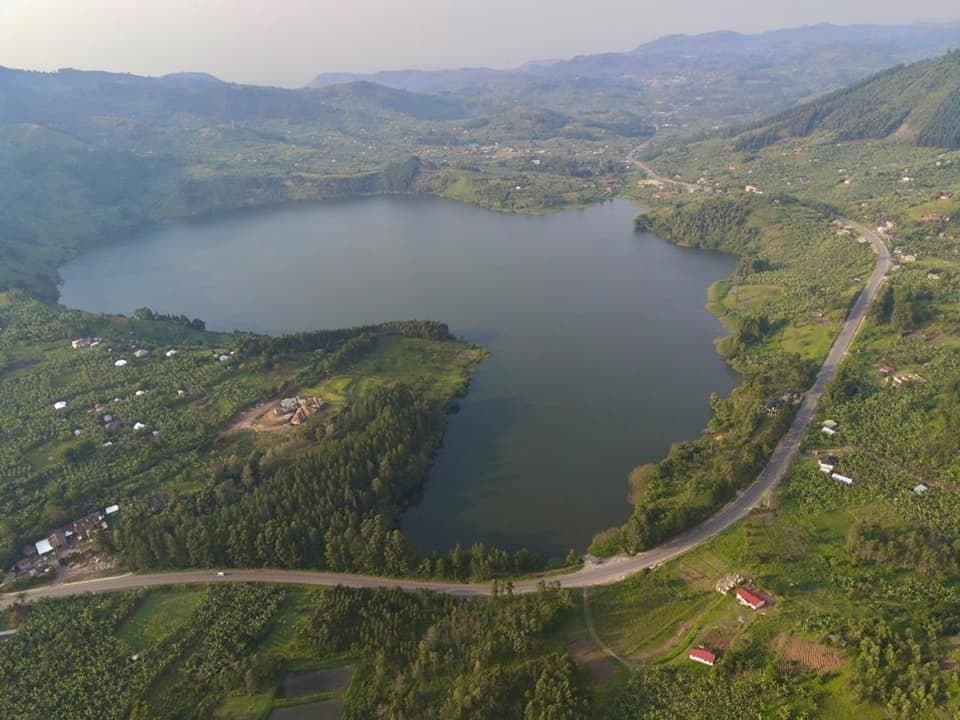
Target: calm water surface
pixel 601 350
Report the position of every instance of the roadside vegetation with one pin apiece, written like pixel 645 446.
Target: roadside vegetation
pixel 794 282
pixel 244 651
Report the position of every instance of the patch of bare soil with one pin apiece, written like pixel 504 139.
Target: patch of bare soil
pixel 88 565
pixel 260 418
pixel 595 662
pixel 716 640
pixel 796 651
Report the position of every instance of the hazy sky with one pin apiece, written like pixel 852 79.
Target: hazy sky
pixel 287 42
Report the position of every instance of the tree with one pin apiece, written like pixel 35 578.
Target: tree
pixel 903 315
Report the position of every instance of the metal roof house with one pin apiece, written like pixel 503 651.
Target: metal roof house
pixel 703 656
pixel 43 546
pixel 750 599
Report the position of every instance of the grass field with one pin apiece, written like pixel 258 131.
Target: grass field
pixel 159 615
pixel 649 615
pixel 441 369
pixel 244 707
pixel 810 340
pixel 283 634
pixel 745 297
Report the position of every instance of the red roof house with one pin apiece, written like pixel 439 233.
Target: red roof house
pixel 702 655
pixel 750 599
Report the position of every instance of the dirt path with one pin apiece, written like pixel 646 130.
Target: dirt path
pixel 593 632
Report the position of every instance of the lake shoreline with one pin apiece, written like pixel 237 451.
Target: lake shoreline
pixel 623 307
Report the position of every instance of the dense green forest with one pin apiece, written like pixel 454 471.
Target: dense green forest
pixel 920 99
pixel 336 507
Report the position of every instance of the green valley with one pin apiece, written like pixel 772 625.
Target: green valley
pixel 214 464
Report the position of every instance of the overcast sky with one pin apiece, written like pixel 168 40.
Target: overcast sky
pixel 287 42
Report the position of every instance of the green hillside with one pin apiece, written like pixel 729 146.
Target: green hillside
pixel 918 104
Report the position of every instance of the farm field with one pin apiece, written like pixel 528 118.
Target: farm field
pixel 234 655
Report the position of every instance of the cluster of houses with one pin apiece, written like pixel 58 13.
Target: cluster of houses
pixel 299 409
pixel 63 541
pixel 139 353
pixel 774 405
pixel 902 379
pixel 746 597
pixel 827 464
pixel 886 229
pixel 830 428
pixel 842 230
pixel 904 256
pixel 899 379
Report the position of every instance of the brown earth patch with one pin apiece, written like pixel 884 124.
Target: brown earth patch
pixel 260 418
pixel 691 575
pixel 797 651
pixel 598 666
pixel 715 640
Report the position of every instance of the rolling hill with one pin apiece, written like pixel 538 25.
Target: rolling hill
pixel 917 104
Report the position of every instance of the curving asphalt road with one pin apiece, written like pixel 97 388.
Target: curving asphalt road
pixel 593 574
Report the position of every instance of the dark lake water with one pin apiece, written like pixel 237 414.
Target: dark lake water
pixel 601 349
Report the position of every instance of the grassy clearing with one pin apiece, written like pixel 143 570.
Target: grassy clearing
pixel 745 297
pixel 647 615
pixel 244 707
pixel 159 615
pixel 442 369
pixel 810 340
pixel 282 637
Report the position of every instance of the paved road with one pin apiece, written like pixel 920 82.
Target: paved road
pixel 632 157
pixel 605 573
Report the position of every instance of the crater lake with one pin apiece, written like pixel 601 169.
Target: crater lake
pixel 601 349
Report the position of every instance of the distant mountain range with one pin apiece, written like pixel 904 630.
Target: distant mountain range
pixel 708 80
pixel 875 45
pixel 74 100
